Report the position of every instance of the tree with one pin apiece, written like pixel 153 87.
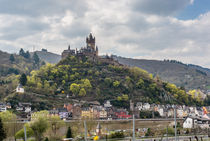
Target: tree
pixel 69 133
pixel 12 58
pixel 23 79
pixel 171 87
pixel 125 97
pixel 116 84
pixel 150 132
pixel 20 134
pixel 74 88
pixel 140 84
pixel 138 72
pixel 108 81
pixel 24 54
pixel 39 127
pixel 43 63
pixel 21 52
pixel 36 59
pixel 7 116
pixel 128 82
pixel 2 131
pixel 27 55
pixel 118 134
pixel 55 124
pixel 82 92
pixel 86 84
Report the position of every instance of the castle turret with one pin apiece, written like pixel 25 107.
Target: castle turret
pixel 68 52
pixel 96 50
pixel 90 40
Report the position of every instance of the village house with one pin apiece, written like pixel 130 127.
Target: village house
pixel 139 106
pixel 111 113
pixel 122 114
pixel 90 113
pixel 193 111
pixel 64 114
pixel 195 122
pixel 86 113
pixel 146 106
pixel 69 107
pixel 103 114
pixel 160 110
pixel 180 112
pixel 19 89
pixel 107 104
pixel 24 107
pixel 3 107
pixel 54 112
pixel 35 116
pixel 76 111
pixel 170 112
pixel 8 105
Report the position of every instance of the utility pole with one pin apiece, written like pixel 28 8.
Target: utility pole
pixel 167 133
pixel 166 128
pixel 85 130
pixel 25 133
pixel 175 122
pixel 134 138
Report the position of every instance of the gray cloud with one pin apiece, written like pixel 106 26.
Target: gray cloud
pixel 160 7
pixel 138 28
pixel 42 7
pixel 21 27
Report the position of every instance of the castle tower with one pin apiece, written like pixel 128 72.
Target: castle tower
pixel 90 40
pixel 96 50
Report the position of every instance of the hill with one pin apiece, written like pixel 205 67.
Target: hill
pixel 188 76
pixel 11 67
pixel 82 78
pixel 19 65
pixel 48 56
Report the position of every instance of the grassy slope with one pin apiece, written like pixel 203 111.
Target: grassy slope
pixel 48 56
pixel 20 64
pixel 179 74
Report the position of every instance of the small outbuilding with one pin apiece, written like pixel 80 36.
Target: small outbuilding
pixel 20 89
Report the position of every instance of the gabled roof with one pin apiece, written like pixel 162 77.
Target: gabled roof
pixel 20 86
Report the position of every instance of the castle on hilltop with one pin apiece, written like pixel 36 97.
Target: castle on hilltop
pixel 90 50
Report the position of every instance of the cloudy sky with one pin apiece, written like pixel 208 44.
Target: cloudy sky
pixel 149 29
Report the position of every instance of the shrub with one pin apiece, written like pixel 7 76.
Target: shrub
pixel 119 134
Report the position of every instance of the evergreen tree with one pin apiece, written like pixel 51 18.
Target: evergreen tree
pixel 43 63
pixel 36 58
pixel 23 79
pixel 27 55
pixel 2 131
pixel 24 54
pixel 12 58
pixel 21 52
pixel 69 134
